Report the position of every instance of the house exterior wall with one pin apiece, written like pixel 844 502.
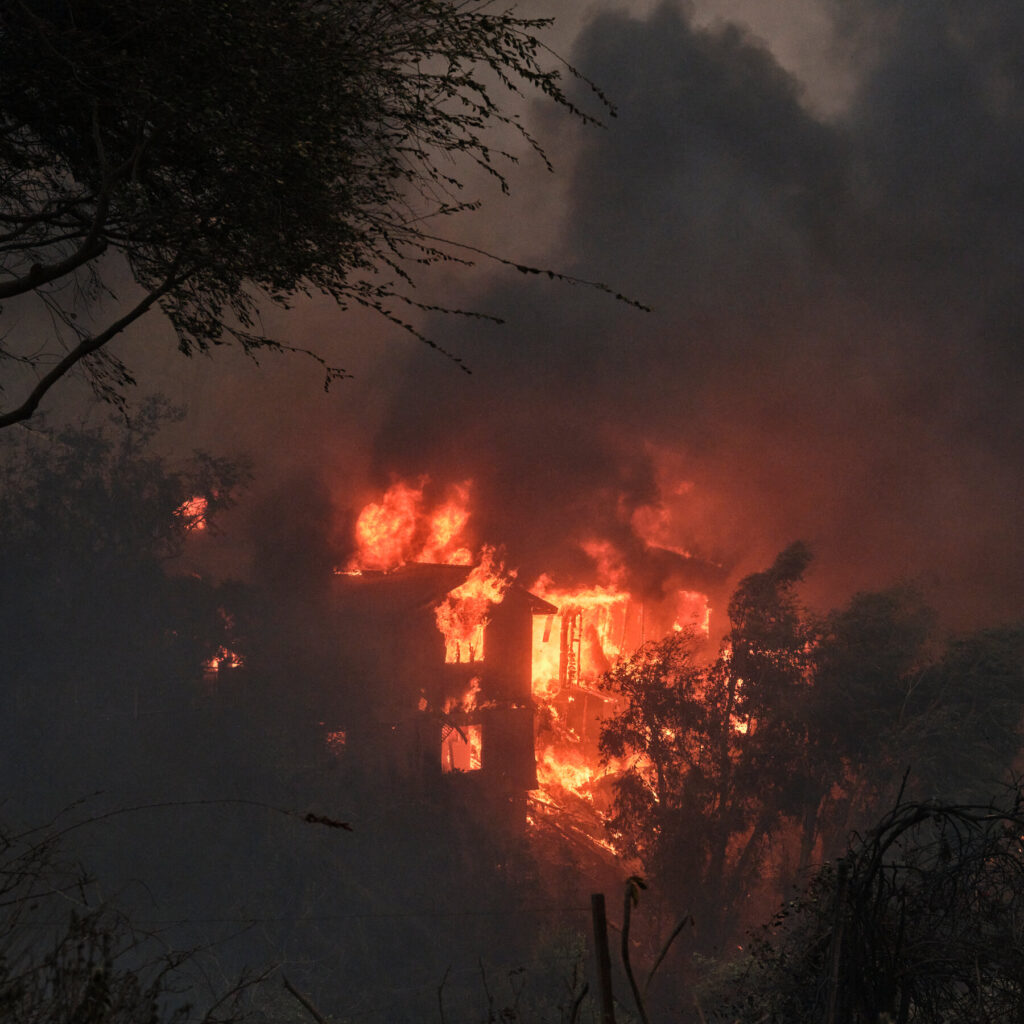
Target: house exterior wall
pixel 392 667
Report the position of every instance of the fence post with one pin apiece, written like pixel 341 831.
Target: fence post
pixel 838 922
pixel 602 957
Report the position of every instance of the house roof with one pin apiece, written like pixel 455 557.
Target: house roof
pixel 415 587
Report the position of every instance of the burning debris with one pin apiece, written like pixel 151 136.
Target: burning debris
pixel 223 659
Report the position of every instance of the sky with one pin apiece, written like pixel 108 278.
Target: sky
pixel 821 203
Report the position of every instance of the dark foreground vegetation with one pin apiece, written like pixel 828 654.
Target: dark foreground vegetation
pixel 240 851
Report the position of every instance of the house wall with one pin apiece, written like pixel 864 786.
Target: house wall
pixel 391 658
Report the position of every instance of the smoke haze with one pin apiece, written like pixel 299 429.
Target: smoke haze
pixel 833 267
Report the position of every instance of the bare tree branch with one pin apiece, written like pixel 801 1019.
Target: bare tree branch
pixel 88 346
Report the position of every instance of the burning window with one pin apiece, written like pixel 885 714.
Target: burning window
pixel 222 660
pixel 465 611
pixel 461 748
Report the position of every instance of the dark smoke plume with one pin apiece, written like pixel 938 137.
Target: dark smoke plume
pixel 834 352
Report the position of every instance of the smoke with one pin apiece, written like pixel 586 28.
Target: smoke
pixel 833 352
pixel 833 266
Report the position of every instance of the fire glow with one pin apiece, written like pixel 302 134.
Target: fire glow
pixel 192 513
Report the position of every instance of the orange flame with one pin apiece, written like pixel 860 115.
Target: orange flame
pixel 468 701
pixel 397 530
pixel 592 621
pixel 447 525
pixel 464 613
pixel 693 612
pixel 385 530
pixel 192 512
pixel 224 658
pixel 594 626
pixel 462 749
pixel 566 768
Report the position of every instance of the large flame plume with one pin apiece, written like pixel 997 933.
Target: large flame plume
pixel 399 529
pixel 465 612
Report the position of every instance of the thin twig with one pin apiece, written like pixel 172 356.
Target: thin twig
pixel 686 919
pixel 310 1008
pixel 440 993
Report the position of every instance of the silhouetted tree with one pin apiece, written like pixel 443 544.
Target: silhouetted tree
pixel 918 921
pixel 868 661
pixel 218 155
pixel 660 729
pixel 103 634
pixel 798 732
pixel 719 748
pixel 965 716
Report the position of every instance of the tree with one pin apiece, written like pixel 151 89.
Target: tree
pixel 222 154
pixel 663 712
pixel 918 921
pixel 867 664
pixel 726 744
pixel 891 703
pixel 763 679
pixel 799 731
pixel 970 700
pixel 99 627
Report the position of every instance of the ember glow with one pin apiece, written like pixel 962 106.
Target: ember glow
pixel 223 659
pixel 192 513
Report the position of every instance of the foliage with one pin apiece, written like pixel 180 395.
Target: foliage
pixel 65 959
pixel 108 492
pixel 717 747
pixel 100 627
pixel 660 685
pixel 972 695
pixel 745 768
pixel 226 153
pixel 919 920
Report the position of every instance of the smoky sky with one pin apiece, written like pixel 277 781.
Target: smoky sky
pixel 834 347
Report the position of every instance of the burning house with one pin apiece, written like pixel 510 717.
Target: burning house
pixel 445 676
pixel 439 666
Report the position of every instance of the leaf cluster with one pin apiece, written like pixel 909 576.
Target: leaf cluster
pixel 236 152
